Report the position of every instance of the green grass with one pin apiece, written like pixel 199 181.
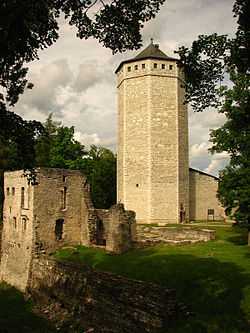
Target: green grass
pixel 16 314
pixel 212 279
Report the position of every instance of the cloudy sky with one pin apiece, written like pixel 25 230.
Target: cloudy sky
pixel 75 78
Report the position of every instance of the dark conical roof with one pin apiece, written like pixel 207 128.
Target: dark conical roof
pixel 152 51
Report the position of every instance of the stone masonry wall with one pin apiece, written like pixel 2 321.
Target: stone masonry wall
pixel 153 141
pixel 18 230
pixel 203 196
pixel 100 301
pixel 59 195
pixel 149 235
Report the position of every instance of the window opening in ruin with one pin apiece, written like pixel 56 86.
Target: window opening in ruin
pixel 163 66
pixel 210 214
pixel 170 67
pixel 64 198
pixel 13 190
pixel 10 209
pixel 129 69
pixel 137 185
pixel 22 197
pixel 136 67
pixel 14 222
pixel 100 233
pixel 8 191
pixel 59 229
pixel 64 179
pixel 182 213
pixel 143 66
pixel 24 223
pixel 155 65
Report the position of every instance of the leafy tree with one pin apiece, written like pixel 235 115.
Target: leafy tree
pixel 57 148
pixel 29 26
pixel 100 169
pixel 206 63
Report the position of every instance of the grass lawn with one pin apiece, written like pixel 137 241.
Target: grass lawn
pixel 212 279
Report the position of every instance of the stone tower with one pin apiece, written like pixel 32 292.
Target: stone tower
pixel 153 166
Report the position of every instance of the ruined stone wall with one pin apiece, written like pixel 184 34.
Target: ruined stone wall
pixel 118 226
pixel 149 235
pixel 152 142
pixel 60 196
pixel 18 230
pixel 100 301
pixel 202 193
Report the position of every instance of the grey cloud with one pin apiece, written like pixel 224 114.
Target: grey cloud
pixel 88 75
pixel 48 80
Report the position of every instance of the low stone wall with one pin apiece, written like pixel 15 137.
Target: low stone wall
pixel 79 297
pixel 149 235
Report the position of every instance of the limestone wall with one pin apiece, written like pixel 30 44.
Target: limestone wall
pixel 18 230
pixel 80 297
pixel 152 141
pixel 202 194
pixel 149 235
pixel 59 196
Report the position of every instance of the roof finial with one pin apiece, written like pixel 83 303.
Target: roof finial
pixel 152 40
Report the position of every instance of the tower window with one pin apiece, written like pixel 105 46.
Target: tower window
pixel 64 179
pixel 14 222
pixel 136 67
pixel 137 185
pixel 170 67
pixel 8 191
pixel 22 197
pixel 155 65
pixel 163 66
pixel 129 69
pixel 13 190
pixel 143 66
pixel 24 223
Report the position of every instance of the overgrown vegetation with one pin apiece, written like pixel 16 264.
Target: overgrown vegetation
pixel 212 279
pixel 210 59
pixel 16 314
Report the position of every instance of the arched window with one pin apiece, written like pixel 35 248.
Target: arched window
pixel 24 223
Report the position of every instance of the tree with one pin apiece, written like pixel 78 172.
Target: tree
pixel 206 63
pixel 57 148
pixel 100 169
pixel 29 26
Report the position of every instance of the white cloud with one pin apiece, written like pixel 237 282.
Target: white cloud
pixel 75 78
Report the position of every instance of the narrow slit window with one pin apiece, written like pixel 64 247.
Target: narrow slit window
pixel 24 224
pixel 143 66
pixel 14 222
pixel 136 67
pixel 155 65
pixel 163 66
pixel 22 197
pixel 64 198
pixel 13 190
pixel 170 67
pixel 129 69
pixel 8 191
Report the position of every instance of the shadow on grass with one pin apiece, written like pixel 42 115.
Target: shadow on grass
pixel 16 314
pixel 213 290
pixel 241 237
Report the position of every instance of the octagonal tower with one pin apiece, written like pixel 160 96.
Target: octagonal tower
pixel 153 166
